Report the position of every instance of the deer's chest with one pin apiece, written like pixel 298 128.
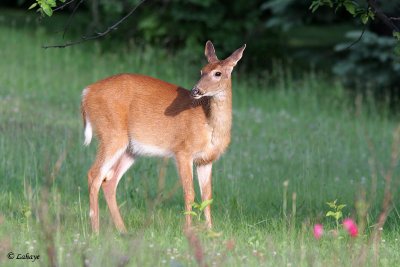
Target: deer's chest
pixel 213 147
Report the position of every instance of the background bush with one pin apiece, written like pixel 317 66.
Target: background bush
pixel 275 30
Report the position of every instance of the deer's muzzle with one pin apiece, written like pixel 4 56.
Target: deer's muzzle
pixel 195 93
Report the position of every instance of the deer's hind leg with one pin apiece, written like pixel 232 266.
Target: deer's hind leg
pixel 108 155
pixel 110 185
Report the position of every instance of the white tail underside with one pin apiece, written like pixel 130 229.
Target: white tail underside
pixel 88 132
pixel 88 125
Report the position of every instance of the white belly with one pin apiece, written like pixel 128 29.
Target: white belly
pixel 141 149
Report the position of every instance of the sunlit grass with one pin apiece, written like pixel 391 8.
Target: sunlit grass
pixel 305 131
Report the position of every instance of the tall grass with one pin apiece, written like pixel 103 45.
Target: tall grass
pixel 306 131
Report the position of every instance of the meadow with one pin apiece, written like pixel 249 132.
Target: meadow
pixel 299 141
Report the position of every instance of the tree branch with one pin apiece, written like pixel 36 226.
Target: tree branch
pixel 98 34
pixel 63 5
pixel 70 17
pixel 378 12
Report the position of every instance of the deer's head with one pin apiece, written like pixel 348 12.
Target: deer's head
pixel 216 75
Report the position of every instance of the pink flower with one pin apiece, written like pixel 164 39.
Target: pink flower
pixel 318 231
pixel 351 227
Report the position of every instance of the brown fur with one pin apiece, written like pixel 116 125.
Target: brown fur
pixel 131 114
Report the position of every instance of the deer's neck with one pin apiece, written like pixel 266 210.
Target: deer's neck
pixel 220 118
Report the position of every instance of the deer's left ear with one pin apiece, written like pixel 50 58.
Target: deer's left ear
pixel 233 59
pixel 210 53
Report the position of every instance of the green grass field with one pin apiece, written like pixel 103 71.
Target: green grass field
pixel 306 131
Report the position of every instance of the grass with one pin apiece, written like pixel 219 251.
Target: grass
pixel 306 131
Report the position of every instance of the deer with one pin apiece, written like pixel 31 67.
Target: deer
pixel 135 115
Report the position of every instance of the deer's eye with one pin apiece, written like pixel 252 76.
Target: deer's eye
pixel 218 74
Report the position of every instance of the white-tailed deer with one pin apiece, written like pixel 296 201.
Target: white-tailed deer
pixel 135 115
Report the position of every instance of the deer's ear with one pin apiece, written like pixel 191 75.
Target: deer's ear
pixel 233 59
pixel 210 53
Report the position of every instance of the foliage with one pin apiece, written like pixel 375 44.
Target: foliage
pixel 182 23
pixel 198 209
pixel 364 13
pixel 335 212
pixel 274 29
pixel 285 14
pixel 371 65
pixel 45 7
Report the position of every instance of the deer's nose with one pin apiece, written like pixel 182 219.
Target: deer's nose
pixel 195 92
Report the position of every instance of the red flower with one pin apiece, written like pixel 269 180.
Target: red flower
pixel 318 231
pixel 351 227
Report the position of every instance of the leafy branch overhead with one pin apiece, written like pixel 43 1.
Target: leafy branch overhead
pixel 365 13
pixel 45 7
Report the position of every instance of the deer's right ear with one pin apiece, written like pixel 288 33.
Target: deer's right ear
pixel 236 56
pixel 210 53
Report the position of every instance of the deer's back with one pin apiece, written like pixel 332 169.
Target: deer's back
pixel 145 110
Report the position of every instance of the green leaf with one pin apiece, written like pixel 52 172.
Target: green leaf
pixel 47 9
pixel 32 6
pixel 205 203
pixel 192 213
pixel 371 14
pixel 364 18
pixel 350 7
pixel 51 3
pixel 319 3
pixel 396 35
pixel 340 207
pixel 195 205
pixel 338 215
pixel 314 6
pixel 332 204
pixel 212 234
pixel 331 214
